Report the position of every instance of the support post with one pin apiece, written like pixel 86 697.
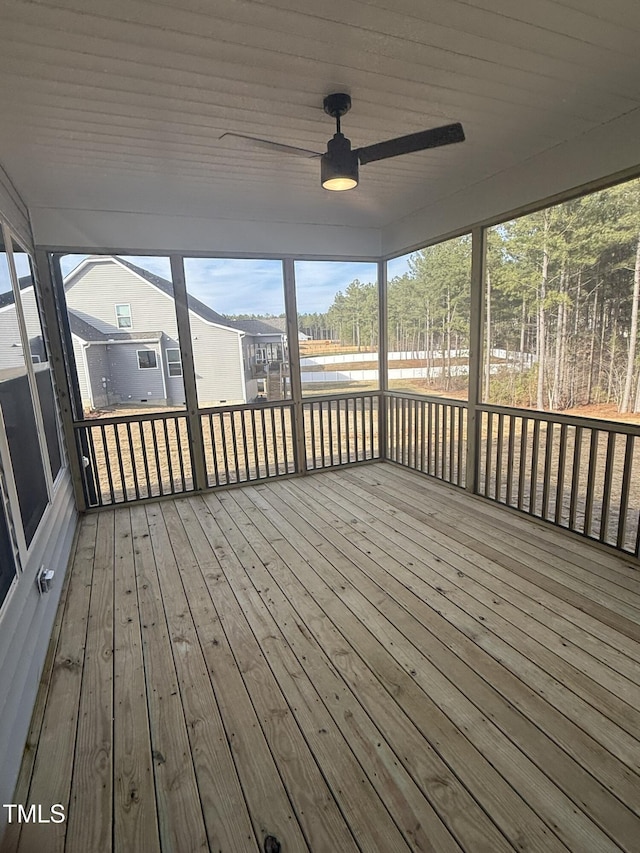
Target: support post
pixel 474 422
pixel 383 361
pixel 291 309
pixel 45 284
pixel 198 464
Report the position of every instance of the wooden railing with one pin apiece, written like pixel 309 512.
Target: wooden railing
pixel 575 472
pixel 428 435
pixel 243 443
pixel 341 430
pixel 140 456
pixel 135 457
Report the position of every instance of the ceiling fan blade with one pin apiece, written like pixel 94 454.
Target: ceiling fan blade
pixel 433 138
pixel 274 146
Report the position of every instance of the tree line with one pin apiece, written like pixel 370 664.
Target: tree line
pixel 561 303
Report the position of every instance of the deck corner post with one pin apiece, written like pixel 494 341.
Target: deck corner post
pixel 383 362
pixel 196 443
pixel 476 323
pixel 291 310
pixel 45 283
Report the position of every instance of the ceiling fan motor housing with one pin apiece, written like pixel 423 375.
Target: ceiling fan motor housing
pixel 339 166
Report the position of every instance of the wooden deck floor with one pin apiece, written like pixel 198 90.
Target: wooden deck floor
pixel 360 660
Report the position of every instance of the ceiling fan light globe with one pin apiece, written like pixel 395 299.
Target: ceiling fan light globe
pixel 339 166
pixel 339 184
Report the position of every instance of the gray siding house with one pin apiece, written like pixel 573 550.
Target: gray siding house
pixel 125 340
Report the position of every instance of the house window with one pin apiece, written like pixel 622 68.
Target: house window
pixel 123 316
pixel 147 359
pixel 174 362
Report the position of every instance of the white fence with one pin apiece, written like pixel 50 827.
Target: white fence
pixel 524 358
pixel 395 373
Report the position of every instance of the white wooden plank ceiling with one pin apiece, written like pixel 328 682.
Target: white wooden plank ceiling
pixel 119 105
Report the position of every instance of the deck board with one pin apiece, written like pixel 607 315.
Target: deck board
pixel 360 660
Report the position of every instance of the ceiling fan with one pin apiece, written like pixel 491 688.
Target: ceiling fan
pixel 339 164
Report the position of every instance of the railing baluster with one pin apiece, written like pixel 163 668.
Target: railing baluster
pixel 167 448
pixel 524 428
pixel 154 436
pixel 234 442
pixel 489 450
pixel 535 456
pixel 276 455
pixel 134 467
pixel 145 458
pixel 461 443
pixel 285 443
pixel 403 431
pixel 309 410
pixel 123 484
pixel 214 451
pixel 265 446
pixel 624 494
pixel 606 494
pixel 245 446
pixel 575 477
pixel 497 493
pixel 254 438
pixel 177 423
pixel 375 403
pixel 436 440
pixel 321 412
pixel 225 455
pixel 347 429
pixel 548 456
pixel 510 459
pixel 429 436
pixel 94 464
pixel 355 402
pixel 562 455
pixel 107 462
pixel 591 478
pixel 339 429
pixel 452 438
pixel 423 437
pixel 443 447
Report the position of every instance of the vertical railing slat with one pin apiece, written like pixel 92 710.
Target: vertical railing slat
pixel 510 460
pixel 591 479
pixel 562 456
pixel 522 467
pixel 107 462
pixel 606 493
pixel 575 477
pixel 499 447
pixel 489 447
pixel 167 449
pixel 546 482
pixel 624 492
pixel 134 467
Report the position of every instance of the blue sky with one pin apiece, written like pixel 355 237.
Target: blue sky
pixel 233 286
pixel 236 286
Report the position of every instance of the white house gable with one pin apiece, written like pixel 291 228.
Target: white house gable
pixel 101 285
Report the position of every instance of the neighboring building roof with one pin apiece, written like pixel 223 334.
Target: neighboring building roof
pixel 281 324
pixel 84 330
pixel 87 332
pixel 259 327
pixel 194 304
pixel 8 298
